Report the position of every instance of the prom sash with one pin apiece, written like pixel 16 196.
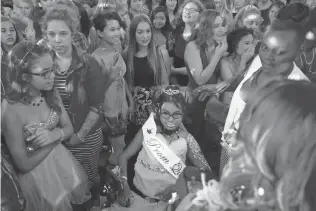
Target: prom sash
pixel 156 145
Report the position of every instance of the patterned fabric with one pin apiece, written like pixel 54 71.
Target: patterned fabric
pixel 115 103
pixel 60 84
pixel 143 103
pixel 88 153
pixel 12 198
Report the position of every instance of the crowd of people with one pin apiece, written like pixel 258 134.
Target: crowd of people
pixel 204 105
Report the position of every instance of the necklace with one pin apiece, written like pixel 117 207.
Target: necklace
pixel 172 136
pixel 310 64
pixel 35 103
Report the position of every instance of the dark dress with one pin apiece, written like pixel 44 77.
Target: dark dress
pixel 178 55
pixel 195 111
pixel 144 82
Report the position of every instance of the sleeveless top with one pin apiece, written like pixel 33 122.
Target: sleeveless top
pixel 144 75
pixel 150 176
pixel 192 83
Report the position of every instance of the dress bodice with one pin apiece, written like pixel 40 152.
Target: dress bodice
pixel 50 124
pixel 148 168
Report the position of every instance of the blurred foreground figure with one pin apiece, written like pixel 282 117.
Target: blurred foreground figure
pixel 273 159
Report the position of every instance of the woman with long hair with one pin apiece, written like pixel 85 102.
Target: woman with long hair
pixel 81 85
pixel 274 166
pixel 35 123
pixel 172 8
pixel 273 12
pixel 188 14
pixel 9 38
pixel 147 67
pixel 241 49
pixel 159 18
pixel 202 56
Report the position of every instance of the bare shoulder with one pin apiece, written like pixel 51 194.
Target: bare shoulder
pixel 191 46
pixel 11 111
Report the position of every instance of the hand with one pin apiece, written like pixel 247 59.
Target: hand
pixel 43 137
pixel 221 85
pixel 248 54
pixel 30 33
pixel 131 112
pixel 221 49
pixel 186 203
pixel 74 140
pixel 166 194
pixel 124 195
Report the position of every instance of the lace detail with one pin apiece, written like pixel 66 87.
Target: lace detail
pixel 153 168
pixel 196 150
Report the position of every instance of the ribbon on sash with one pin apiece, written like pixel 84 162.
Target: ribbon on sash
pixel 165 156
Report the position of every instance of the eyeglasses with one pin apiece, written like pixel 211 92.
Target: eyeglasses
pixel 47 74
pixel 191 10
pixel 174 115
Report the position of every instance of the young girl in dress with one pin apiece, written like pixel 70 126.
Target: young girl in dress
pixel 154 182
pixel 117 95
pixel 35 123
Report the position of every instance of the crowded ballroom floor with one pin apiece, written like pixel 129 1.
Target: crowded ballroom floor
pixel 158 105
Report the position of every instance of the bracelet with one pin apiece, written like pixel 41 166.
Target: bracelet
pixel 123 177
pixel 62 135
pixel 80 137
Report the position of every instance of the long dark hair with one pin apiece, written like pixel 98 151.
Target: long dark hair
pixel 164 10
pixel 22 57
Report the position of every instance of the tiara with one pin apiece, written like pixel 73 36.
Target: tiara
pixel 171 91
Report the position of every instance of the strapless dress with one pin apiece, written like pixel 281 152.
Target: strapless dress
pixel 58 181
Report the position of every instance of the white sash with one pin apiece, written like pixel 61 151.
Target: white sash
pixel 165 156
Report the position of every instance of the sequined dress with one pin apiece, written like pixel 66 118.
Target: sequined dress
pixel 58 180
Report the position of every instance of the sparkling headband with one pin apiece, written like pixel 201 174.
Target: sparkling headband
pixel 171 91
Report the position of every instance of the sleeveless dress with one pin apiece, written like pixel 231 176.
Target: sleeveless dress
pixel 196 109
pixel 58 180
pixel 152 178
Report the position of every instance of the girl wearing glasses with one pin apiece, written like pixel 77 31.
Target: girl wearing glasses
pixel 153 184
pixel 188 13
pixel 35 123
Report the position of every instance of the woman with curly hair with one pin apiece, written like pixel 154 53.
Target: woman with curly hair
pixel 81 85
pixel 35 123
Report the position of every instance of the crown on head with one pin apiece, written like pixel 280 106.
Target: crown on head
pixel 173 90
